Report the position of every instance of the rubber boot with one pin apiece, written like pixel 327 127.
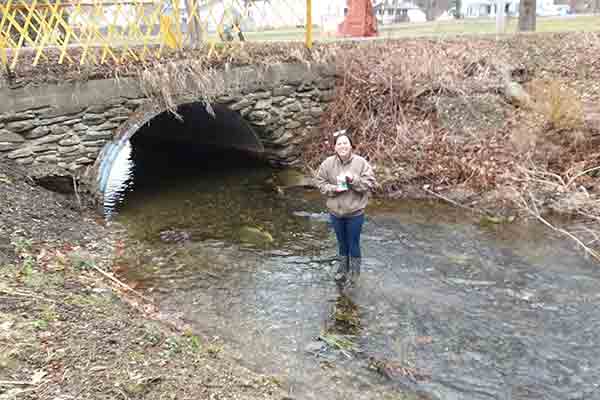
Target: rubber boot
pixel 342 269
pixel 354 264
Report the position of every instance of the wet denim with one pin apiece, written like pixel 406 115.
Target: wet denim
pixel 347 230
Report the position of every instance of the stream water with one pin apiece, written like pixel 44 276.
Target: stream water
pixel 447 308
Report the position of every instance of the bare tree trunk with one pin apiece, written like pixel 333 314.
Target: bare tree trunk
pixel 458 6
pixel 431 12
pixel 527 15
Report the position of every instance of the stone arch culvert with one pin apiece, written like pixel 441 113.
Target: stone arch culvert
pixel 267 119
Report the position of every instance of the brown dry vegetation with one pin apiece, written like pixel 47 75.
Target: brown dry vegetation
pixel 492 124
pixel 65 331
pixel 474 119
pixel 235 54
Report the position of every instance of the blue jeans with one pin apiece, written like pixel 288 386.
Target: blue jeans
pixel 347 230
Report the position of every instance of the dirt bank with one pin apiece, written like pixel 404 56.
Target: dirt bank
pixel 462 112
pixel 66 333
pixel 509 126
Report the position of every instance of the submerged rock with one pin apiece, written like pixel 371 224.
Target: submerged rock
pixel 470 282
pixel 314 347
pixel 174 236
pixel 314 216
pixel 255 236
pixel 290 178
pixel 497 220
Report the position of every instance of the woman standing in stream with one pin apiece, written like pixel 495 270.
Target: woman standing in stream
pixel 347 180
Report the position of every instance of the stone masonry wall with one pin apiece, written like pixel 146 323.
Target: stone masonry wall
pixel 70 141
pixel 283 116
pixel 67 126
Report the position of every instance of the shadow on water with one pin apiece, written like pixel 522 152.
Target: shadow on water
pixel 446 308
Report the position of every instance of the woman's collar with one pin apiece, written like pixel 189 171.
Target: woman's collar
pixel 347 160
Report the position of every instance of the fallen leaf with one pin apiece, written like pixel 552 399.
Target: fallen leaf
pixel 36 379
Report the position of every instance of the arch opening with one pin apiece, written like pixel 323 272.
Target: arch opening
pixel 198 130
pixel 165 151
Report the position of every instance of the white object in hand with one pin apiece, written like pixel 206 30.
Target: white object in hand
pixel 341 182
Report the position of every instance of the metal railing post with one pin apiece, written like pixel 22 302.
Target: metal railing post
pixel 309 25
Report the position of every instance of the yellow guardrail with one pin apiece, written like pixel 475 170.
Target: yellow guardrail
pixel 99 31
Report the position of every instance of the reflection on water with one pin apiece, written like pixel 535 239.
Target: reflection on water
pixel 446 308
pixel 120 180
pixel 206 196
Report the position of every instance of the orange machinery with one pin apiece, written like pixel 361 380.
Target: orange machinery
pixel 359 20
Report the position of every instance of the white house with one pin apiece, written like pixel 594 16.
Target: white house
pixel 416 15
pixel 396 11
pixel 488 8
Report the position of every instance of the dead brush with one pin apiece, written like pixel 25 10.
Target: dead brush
pixel 386 96
pixel 169 83
pixel 540 191
pixel 193 75
pixel 560 106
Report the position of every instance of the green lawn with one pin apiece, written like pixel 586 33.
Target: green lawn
pixel 445 28
pixel 426 29
pixel 478 26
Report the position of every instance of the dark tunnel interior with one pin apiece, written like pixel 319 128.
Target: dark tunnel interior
pixel 169 150
pixel 195 142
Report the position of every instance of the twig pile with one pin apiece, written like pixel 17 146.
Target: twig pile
pixel 388 95
pixel 539 157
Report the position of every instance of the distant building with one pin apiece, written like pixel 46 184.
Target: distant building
pixel 488 8
pixel 396 11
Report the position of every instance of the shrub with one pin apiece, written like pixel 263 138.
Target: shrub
pixel 559 104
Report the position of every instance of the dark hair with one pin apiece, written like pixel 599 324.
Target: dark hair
pixel 343 135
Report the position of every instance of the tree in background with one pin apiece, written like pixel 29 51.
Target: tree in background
pixel 434 8
pixel 527 10
pixel 456 5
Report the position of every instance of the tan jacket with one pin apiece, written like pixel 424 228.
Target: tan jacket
pixel 353 201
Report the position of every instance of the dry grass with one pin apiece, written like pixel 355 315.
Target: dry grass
pixel 387 96
pixel 219 56
pixel 198 74
pixel 168 83
pixel 540 191
pixel 390 96
pixel 559 104
pixel 65 334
